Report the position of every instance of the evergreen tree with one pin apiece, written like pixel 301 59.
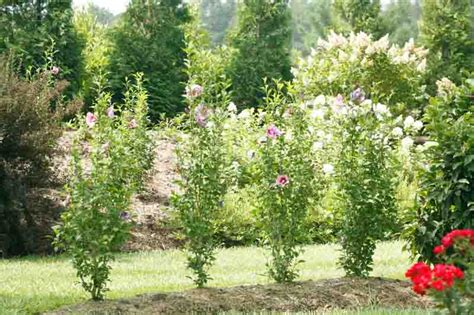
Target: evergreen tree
pixel 361 15
pixel 30 28
pixel 314 20
pixel 149 39
pixel 445 28
pixel 400 20
pixel 262 45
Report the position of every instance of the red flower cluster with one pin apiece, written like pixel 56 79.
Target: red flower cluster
pixel 449 239
pixel 439 278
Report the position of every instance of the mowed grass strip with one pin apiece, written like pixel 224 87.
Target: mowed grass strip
pixel 33 284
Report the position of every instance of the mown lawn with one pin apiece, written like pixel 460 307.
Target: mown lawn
pixel 34 284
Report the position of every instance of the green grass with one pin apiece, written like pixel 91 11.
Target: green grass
pixel 36 284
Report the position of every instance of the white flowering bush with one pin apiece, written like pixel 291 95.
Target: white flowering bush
pixel 387 73
pixel 110 156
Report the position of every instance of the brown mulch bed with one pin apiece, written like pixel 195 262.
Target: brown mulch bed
pixel 307 296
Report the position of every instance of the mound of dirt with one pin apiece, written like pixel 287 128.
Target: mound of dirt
pixel 343 293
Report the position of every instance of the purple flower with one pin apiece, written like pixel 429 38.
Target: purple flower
pixel 358 95
pixel 125 215
pixel 201 114
pixel 282 180
pixel 195 90
pixel 273 132
pixel 90 119
pixel 55 70
pixel 110 111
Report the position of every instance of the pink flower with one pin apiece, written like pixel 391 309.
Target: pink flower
pixel 90 119
pixel 282 180
pixel 201 114
pixel 110 111
pixel 54 70
pixel 273 132
pixel 195 90
pixel 132 124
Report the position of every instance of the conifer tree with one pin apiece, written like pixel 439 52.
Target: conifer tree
pixel 262 45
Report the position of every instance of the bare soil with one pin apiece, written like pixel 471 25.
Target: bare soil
pixel 308 296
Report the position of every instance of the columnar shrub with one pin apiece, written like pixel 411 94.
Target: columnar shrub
pixel 285 182
pixel 446 190
pixel 364 177
pixel 202 155
pixel 262 45
pixel 107 167
pixel 149 38
pixel 388 74
pixel 95 53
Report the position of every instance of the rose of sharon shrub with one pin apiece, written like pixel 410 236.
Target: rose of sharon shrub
pixel 450 283
pixel 109 158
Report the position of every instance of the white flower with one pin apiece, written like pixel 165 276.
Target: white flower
pixel 317 114
pixel 317 145
pixel 262 139
pixel 320 133
pixel 232 108
pixel 381 109
pixel 244 114
pixel 421 66
pixel 311 129
pixel 408 122
pixel 417 125
pixel 328 169
pixel 210 124
pixel 429 144
pixel 407 143
pixel 288 136
pixel 250 154
pixel 397 132
pixel 320 100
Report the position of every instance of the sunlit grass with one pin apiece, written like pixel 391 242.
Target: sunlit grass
pixel 35 284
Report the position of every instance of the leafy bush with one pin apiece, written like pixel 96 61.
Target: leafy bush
pixel 388 74
pixel 29 28
pixel 365 178
pixel 95 54
pixel 149 39
pixel 262 43
pixel 446 192
pixel 361 15
pixel 286 183
pixel 29 128
pixel 109 158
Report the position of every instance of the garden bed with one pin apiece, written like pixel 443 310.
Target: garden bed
pixel 323 295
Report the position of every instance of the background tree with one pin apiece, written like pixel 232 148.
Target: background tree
pixel 29 28
pixel 262 42
pixel 313 20
pixel 361 15
pixel 217 16
pixel 400 19
pixel 446 29
pixel 149 39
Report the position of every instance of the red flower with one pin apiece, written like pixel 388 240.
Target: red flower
pixel 448 239
pixel 438 249
pixel 439 278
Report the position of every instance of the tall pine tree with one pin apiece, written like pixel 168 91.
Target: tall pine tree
pixel 149 39
pixel 361 15
pixel 263 43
